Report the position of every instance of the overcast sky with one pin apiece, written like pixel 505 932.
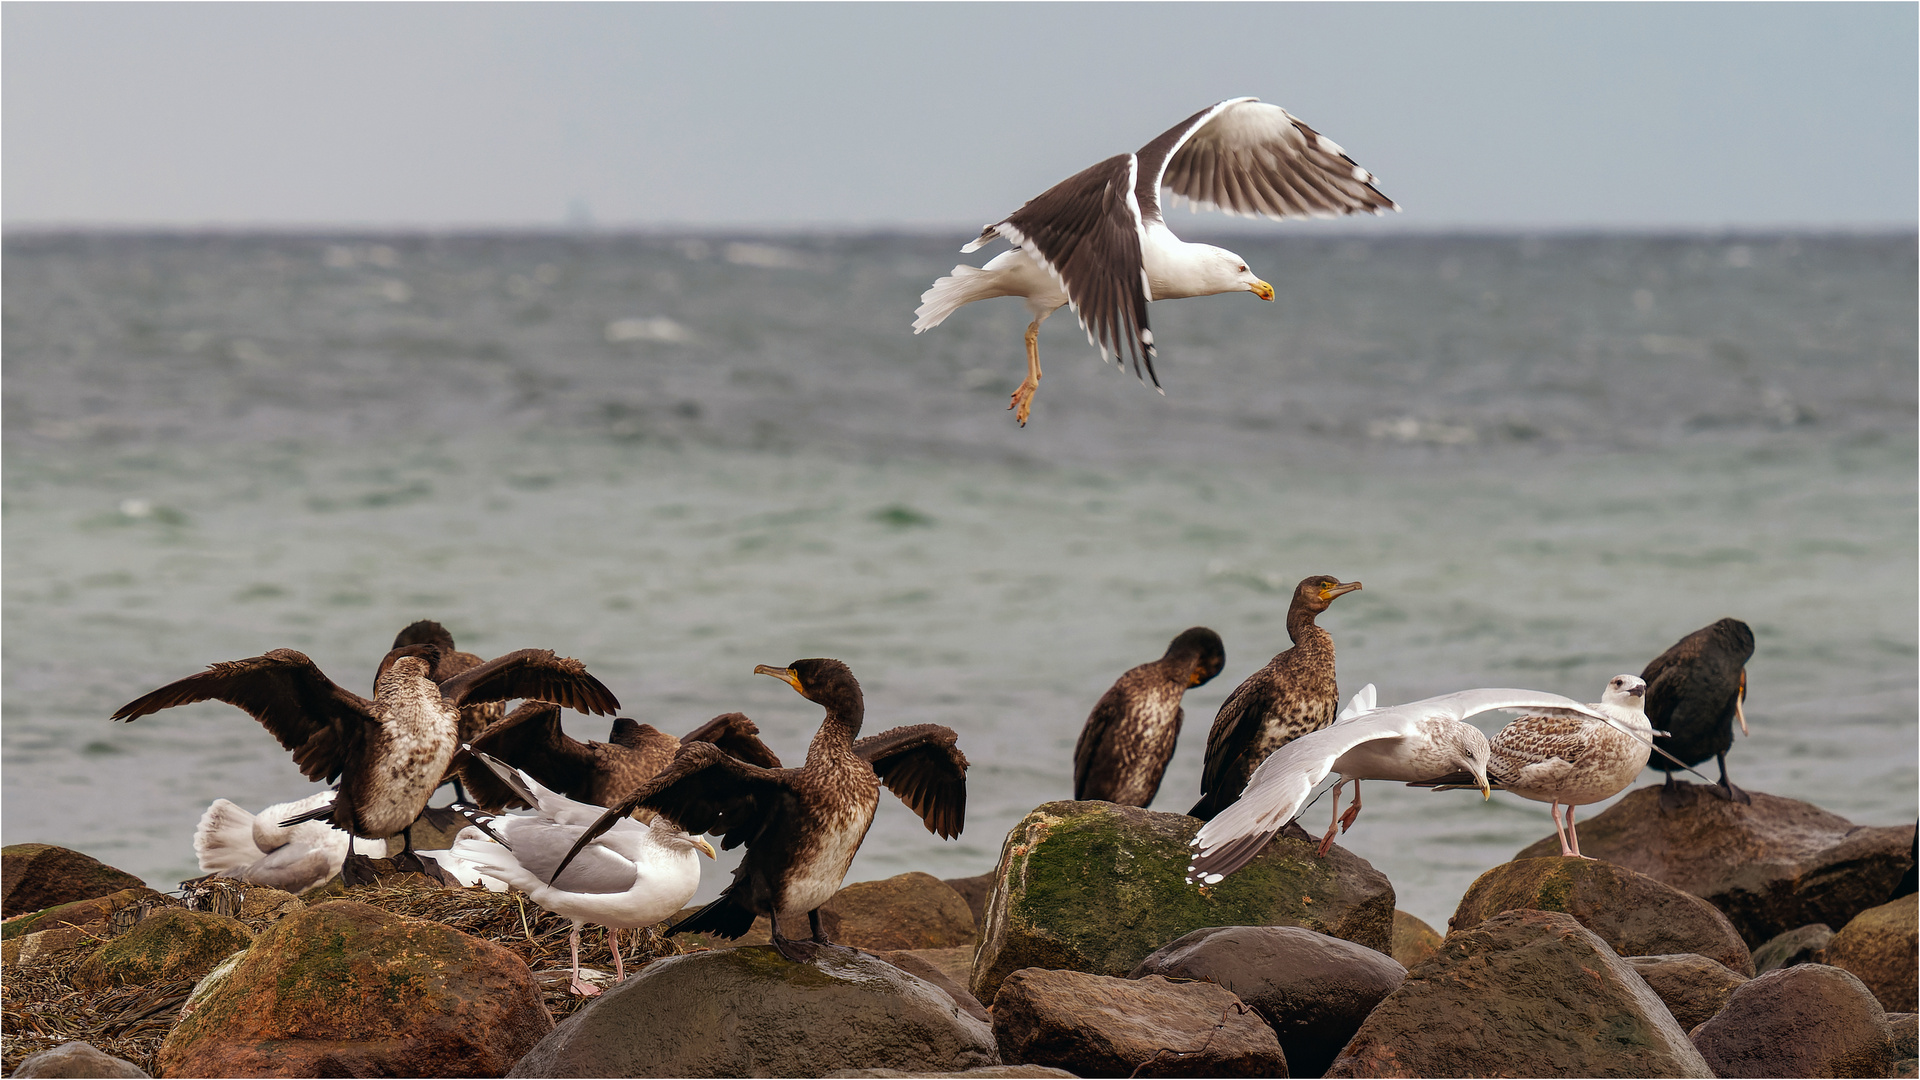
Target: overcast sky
pixel 1507 116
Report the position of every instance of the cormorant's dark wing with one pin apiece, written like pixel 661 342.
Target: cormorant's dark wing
pixel 922 765
pixel 1667 676
pixel 531 673
pixel 320 722
pixel 1235 727
pixel 532 739
pixel 736 735
pixel 1108 711
pixel 705 790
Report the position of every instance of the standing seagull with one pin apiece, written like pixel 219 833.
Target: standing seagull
pixel 1294 694
pixel 1129 736
pixel 1695 691
pixel 1572 757
pixel 1097 241
pixel 389 753
pixel 801 826
pixel 632 875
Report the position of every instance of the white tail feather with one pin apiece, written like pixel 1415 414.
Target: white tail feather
pixel 223 840
pixel 965 285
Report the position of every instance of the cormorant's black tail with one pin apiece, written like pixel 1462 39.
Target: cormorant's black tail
pixel 1209 806
pixel 724 917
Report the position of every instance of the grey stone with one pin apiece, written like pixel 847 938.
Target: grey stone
pixel 1804 1020
pixel 1801 945
pixel 1694 987
pixel 76 1059
pixel 1097 1025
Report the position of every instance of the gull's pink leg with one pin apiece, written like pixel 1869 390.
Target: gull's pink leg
pixel 1558 830
pixel 580 986
pixel 1333 829
pixel 1575 836
pixel 619 966
pixel 1346 819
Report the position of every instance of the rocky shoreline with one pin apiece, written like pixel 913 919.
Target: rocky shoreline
pixel 1767 940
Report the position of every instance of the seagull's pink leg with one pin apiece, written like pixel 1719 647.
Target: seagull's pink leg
pixel 1575 835
pixel 1333 829
pixel 619 966
pixel 1346 819
pixel 580 986
pixel 1558 830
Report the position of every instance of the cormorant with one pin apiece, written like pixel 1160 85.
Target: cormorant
pixel 1695 691
pixel 1129 736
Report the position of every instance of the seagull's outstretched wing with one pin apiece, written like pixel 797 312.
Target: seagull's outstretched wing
pixel 1363 702
pixel 318 720
pixel 1244 156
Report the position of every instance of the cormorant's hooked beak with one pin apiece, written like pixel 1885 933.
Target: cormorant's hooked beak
pixel 1261 289
pixel 1331 591
pixel 705 848
pixel 785 675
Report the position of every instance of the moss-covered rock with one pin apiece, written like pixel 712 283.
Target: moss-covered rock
pixel 1631 912
pixel 1096 887
pixel 53 934
pixel 174 945
pixel 345 989
pixel 35 876
pixel 1879 946
pixel 93 911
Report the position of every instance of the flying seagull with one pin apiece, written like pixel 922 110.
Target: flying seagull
pixel 1097 242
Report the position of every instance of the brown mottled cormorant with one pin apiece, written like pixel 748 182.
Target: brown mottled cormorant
pixel 1294 694
pixel 388 754
pixel 1695 691
pixel 601 773
pixel 1129 736
pixel 474 718
pixel 801 826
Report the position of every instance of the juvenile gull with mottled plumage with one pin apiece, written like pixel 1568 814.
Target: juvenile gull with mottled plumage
pixel 1097 240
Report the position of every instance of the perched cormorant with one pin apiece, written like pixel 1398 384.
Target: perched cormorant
pixel 632 875
pixel 601 773
pixel 389 753
pixel 474 718
pixel 802 825
pixel 1695 691
pixel 1294 694
pixel 1129 736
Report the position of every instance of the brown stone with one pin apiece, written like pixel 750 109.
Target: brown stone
pixel 1095 1025
pixel 975 890
pixel 907 911
pixel 1694 987
pixel 113 913
pixel 174 945
pixel 1880 946
pixel 1313 990
pixel 1800 945
pixel 1526 993
pixel 1771 866
pixel 1632 913
pixel 35 876
pixel 1804 1020
pixel 77 1059
pixel 345 989
pixel 1095 887
pixel 925 964
pixel 1413 940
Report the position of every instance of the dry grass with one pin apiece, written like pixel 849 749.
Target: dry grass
pixel 40 1008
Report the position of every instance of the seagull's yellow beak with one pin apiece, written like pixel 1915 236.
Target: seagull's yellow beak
pixel 785 675
pixel 705 848
pixel 1486 790
pixel 1261 289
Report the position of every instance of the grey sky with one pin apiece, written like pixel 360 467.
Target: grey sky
pixel 792 115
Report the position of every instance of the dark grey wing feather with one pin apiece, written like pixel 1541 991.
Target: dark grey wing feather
pixel 737 736
pixel 530 738
pixel 531 673
pixel 320 722
pixel 1235 727
pixel 923 765
pixel 1244 156
pixel 1107 712
pixel 705 791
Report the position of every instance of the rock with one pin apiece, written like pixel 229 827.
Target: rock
pixel 1632 913
pixel 1880 945
pixel 920 965
pixel 906 911
pixel 345 989
pixel 991 1072
pixel 174 945
pixel 955 963
pixel 1313 990
pixel 1413 940
pixel 748 1012
pixel 1801 945
pixel 76 1059
pixel 1526 993
pixel 1804 1020
pixel 99 911
pixel 1904 1030
pixel 1769 867
pixel 1694 987
pixel 975 890
pixel 261 907
pixel 1096 1025
pixel 35 876
pixel 1095 887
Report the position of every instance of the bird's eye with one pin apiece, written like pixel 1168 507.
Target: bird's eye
pixel 1243 268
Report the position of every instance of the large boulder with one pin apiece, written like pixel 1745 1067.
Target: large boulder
pixel 1526 993
pixel 51 935
pixel 1771 866
pixel 1313 990
pixel 940 967
pixel 1095 1025
pixel 345 989
pixel 1880 946
pixel 1095 887
pixel 906 911
pixel 1632 913
pixel 974 890
pixel 76 1059
pixel 35 876
pixel 1800 945
pixel 749 1012
pixel 172 945
pixel 1413 940
pixel 1694 987
pixel 1805 1020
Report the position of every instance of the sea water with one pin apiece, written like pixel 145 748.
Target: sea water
pixel 675 457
